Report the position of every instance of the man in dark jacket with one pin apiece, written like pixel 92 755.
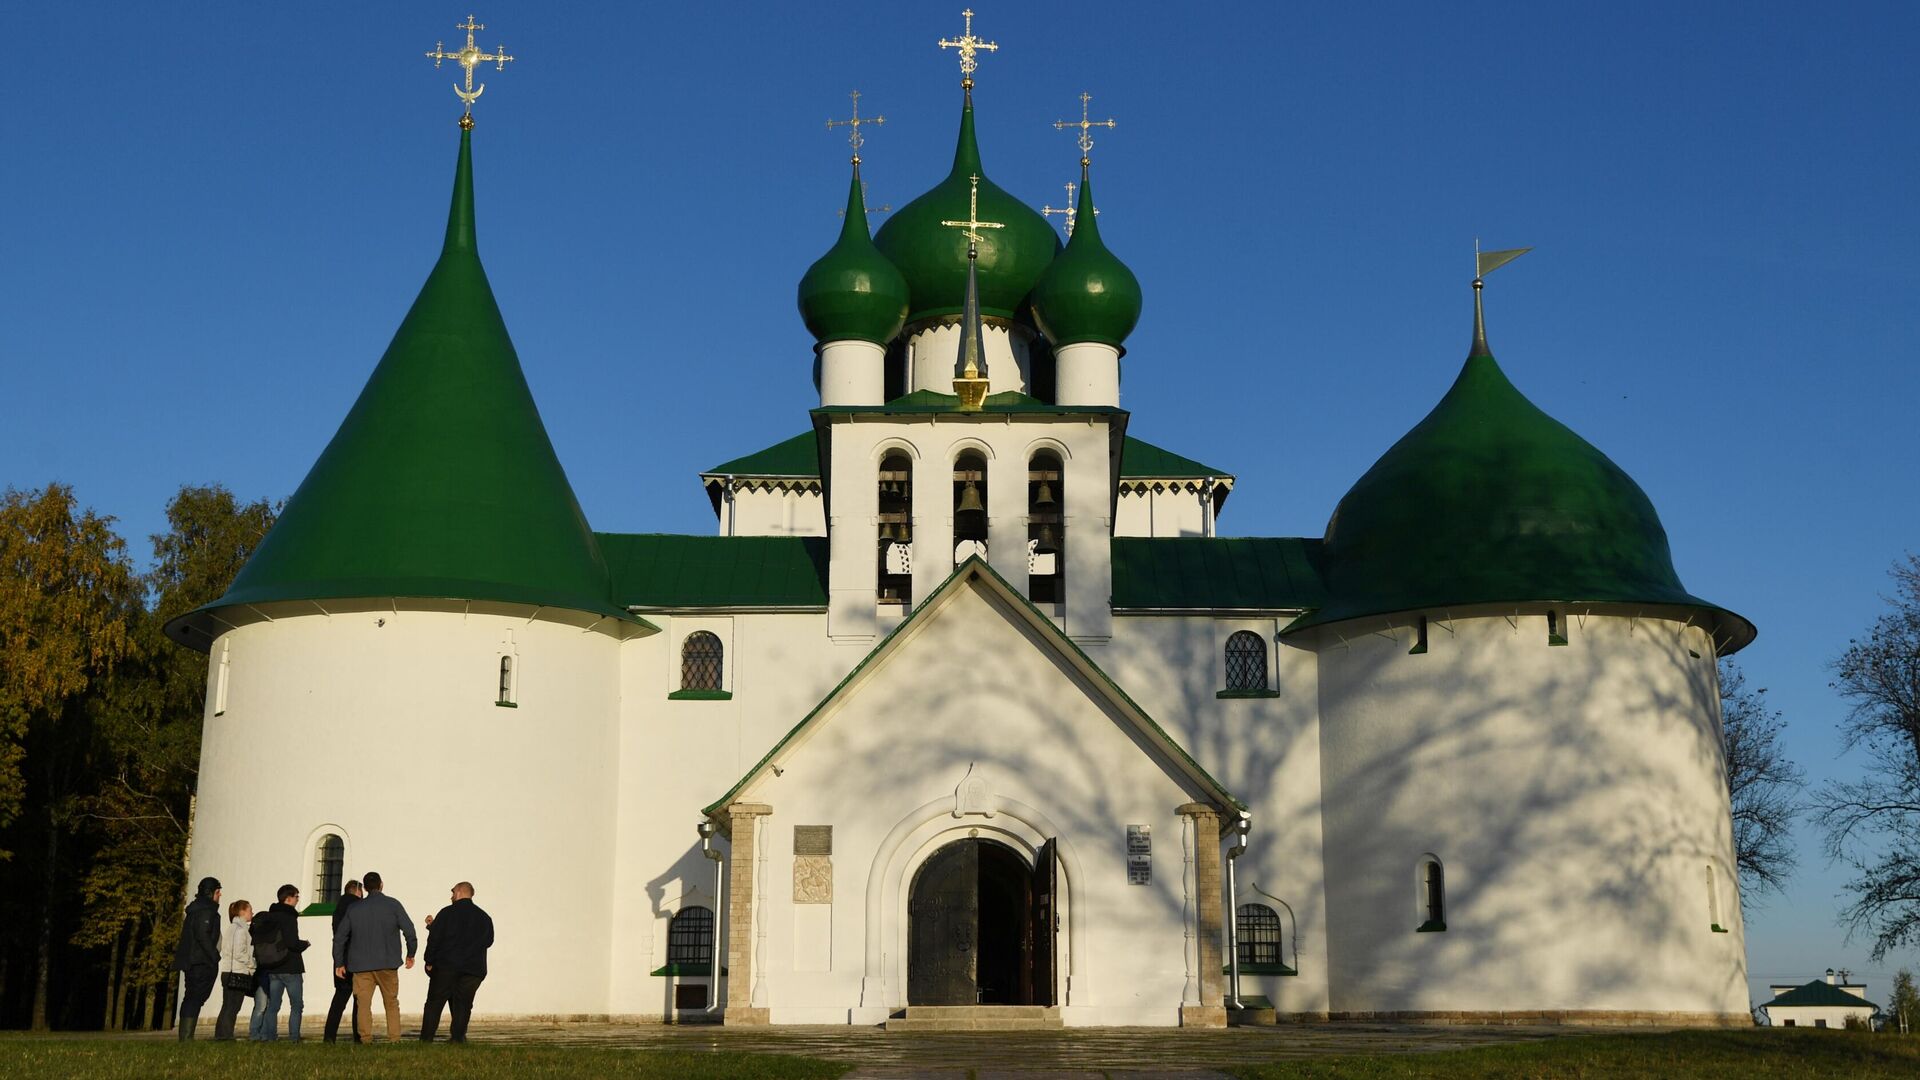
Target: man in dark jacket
pixel 342 987
pixel 368 948
pixel 457 942
pixel 276 958
pixel 198 954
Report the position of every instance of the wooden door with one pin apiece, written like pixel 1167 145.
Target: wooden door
pixel 944 913
pixel 1042 924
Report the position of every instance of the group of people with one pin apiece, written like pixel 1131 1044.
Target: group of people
pixel 258 957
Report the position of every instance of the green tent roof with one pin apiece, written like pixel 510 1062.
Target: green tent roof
pixel 800 457
pixel 1490 500
pixel 441 482
pixel 666 571
pixel 1820 992
pixel 1197 573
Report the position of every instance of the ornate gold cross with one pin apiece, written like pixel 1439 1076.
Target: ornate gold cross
pixel 1069 211
pixel 469 56
pixel 854 138
pixel 871 210
pixel 973 223
pixel 1086 126
pixel 968 46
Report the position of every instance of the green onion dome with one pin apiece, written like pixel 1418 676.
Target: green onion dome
pixel 933 257
pixel 1087 294
pixel 1490 500
pixel 853 292
pixel 441 482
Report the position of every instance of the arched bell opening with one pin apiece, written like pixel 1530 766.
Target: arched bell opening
pixel 895 528
pixel 1046 529
pixel 969 506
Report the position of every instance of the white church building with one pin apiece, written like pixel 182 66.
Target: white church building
pixel 967 702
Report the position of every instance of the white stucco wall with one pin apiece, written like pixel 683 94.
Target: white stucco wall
pixel 1575 795
pixel 1168 508
pixel 382 725
pixel 757 508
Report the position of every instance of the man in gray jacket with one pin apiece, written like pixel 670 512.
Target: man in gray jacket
pixel 366 945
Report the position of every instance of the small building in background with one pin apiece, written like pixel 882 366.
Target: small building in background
pixel 1823 1003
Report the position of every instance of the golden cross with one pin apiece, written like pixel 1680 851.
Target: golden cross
pixel 468 56
pixel 854 139
pixel 1085 125
pixel 973 222
pixel 1069 211
pixel 968 45
pixel 871 210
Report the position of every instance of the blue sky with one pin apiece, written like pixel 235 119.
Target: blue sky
pixel 216 218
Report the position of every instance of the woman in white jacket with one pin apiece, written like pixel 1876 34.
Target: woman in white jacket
pixel 236 969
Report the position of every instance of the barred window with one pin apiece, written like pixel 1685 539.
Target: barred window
pixel 1258 934
pixel 1433 893
pixel 690 937
pixel 1246 661
pixel 329 864
pixel 700 662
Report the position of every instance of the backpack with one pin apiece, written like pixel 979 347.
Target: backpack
pixel 269 951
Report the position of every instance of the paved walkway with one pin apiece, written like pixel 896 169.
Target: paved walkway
pixel 1135 1053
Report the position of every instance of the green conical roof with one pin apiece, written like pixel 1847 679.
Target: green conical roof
pixel 1087 294
pixel 852 292
pixel 1490 500
pixel 441 482
pixel 933 257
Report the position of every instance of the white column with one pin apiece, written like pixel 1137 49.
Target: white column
pixel 932 526
pixel 1089 554
pixel 1007 518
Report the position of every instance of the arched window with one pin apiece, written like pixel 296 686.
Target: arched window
pixel 690 936
pixel 701 661
pixel 1246 661
pixel 969 505
pixel 895 524
pixel 1257 931
pixel 329 866
pixel 1046 529
pixel 1433 894
pixel 506 681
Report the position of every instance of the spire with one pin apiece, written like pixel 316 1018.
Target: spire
pixel 1484 263
pixel 972 360
pixel 1084 214
pixel 1479 324
pixel 460 229
pixel 854 229
pixel 966 152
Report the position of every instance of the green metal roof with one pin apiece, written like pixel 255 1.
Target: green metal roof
pixel 1490 500
pixel 799 457
pixel 1197 573
pixel 1820 992
pixel 1088 294
pixel 852 292
pixel 933 256
pixel 441 482
pixel 669 572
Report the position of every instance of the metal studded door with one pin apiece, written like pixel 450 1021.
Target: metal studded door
pixel 1042 924
pixel 944 913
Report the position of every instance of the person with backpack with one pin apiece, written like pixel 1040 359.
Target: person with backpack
pixel 276 955
pixel 368 945
pixel 198 954
pixel 236 968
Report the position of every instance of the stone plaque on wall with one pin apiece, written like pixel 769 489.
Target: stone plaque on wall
pixel 1139 854
pixel 812 879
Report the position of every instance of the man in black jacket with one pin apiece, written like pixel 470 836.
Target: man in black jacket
pixel 343 987
pixel 457 942
pixel 198 954
pixel 276 957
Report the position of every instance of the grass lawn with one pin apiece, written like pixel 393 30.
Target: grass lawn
pixel 118 1059
pixel 1748 1054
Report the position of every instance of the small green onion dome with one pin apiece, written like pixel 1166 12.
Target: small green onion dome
pixel 1087 294
pixel 1490 500
pixel 853 292
pixel 933 257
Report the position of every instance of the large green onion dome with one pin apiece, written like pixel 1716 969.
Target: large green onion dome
pixel 933 257
pixel 441 482
pixel 853 292
pixel 1087 294
pixel 1490 500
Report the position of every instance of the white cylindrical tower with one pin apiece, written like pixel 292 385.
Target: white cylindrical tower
pixel 1088 373
pixel 852 372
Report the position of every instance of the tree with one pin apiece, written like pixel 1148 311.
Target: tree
pixel 68 600
pixel 1903 1005
pixel 1763 786
pixel 1873 824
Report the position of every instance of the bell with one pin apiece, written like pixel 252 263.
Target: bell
pixel 970 500
pixel 1044 496
pixel 1048 543
pixel 970 515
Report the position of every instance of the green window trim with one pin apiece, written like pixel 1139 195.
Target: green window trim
pixel 1556 639
pixel 701 695
pixel 317 909
pixel 1431 926
pixel 1718 929
pixel 685 969
pixel 1259 969
pixel 506 704
pixel 1228 695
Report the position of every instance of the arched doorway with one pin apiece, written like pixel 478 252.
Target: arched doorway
pixel 981 926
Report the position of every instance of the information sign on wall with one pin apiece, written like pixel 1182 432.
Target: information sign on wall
pixel 1139 854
